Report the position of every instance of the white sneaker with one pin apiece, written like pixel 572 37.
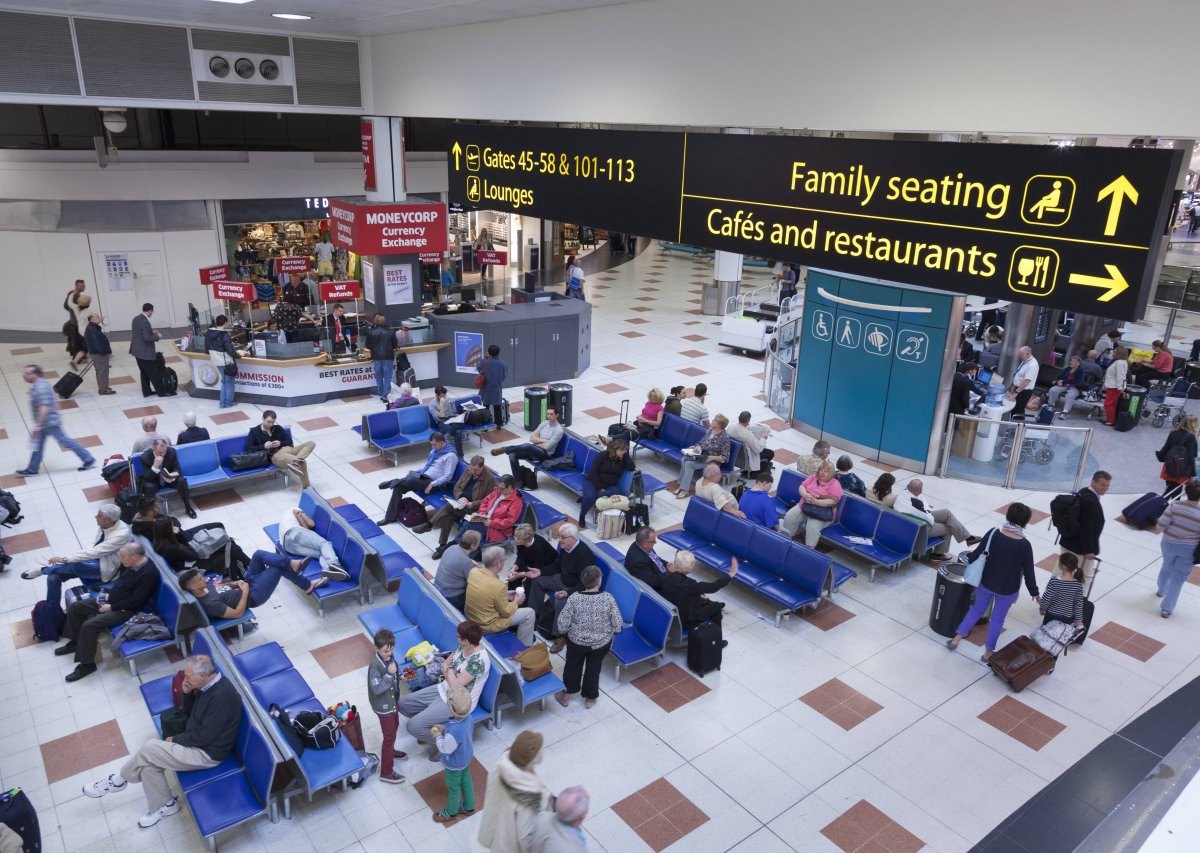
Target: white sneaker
pixel 165 810
pixel 30 574
pixel 111 783
pixel 335 573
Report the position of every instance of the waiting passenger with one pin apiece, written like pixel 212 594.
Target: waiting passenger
pixel 488 603
pixel 276 441
pixel 1070 383
pixel 298 536
pixel 692 408
pixel 674 403
pixel 542 443
pixel 754 437
pixel 642 562
pixel 405 398
pixel 191 433
pixel 882 491
pixel 809 463
pixel 229 599
pixel 604 477
pixel 850 481
pixel 819 498
pixel 690 596
pixel 1160 369
pixel 499 512
pixel 436 473
pixel 942 522
pixel 757 505
pixel 713 447
pixel 150 434
pixel 455 565
pixel 710 489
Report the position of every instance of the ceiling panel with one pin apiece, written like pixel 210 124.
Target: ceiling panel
pixel 359 18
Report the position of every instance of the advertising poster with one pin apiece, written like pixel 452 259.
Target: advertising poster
pixel 120 278
pixel 398 285
pixel 468 351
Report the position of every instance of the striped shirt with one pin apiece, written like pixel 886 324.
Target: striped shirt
pixel 692 409
pixel 1180 523
pixel 1063 600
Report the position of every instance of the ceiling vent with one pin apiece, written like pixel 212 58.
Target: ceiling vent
pixel 231 66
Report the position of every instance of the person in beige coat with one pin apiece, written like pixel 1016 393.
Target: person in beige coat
pixel 515 797
pixel 488 601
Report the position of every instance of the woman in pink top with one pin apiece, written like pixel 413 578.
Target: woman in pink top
pixel 822 493
pixel 1161 367
pixel 650 419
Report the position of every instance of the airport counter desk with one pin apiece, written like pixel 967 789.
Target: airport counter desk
pixel 302 380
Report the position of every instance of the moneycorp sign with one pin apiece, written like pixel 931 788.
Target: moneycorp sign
pixel 1075 228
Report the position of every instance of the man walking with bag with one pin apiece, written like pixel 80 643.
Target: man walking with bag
pixel 47 423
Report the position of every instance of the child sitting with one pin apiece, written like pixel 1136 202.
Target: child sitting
pixel 1062 600
pixel 453 741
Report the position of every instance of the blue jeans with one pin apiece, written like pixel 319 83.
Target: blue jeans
pixel 265 571
pixel 1176 566
pixel 983 597
pixel 384 369
pixel 309 543
pixel 227 386
pixel 590 493
pixel 58 573
pixel 65 441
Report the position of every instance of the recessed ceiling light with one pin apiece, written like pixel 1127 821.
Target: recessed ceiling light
pixel 288 16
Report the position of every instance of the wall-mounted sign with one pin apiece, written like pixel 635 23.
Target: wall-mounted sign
pixel 208 275
pixel 1076 228
pixel 397 284
pixel 234 291
pixel 468 351
pixel 491 257
pixel 293 265
pixel 367 130
pixel 398 228
pixel 336 291
pixel 431 257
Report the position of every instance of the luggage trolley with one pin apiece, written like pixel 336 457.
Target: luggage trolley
pixel 1171 402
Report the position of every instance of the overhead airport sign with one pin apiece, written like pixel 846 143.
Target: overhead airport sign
pixel 1075 228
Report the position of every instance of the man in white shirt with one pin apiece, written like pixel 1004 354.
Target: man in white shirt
pixel 97 564
pixel 1023 381
pixel 150 434
pixel 297 536
pixel 910 501
pixel 693 409
pixel 324 253
pixel 710 489
pixel 754 437
pixel 541 446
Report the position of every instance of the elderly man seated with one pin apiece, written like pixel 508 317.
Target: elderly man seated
pixel 642 562
pixel 134 588
pixel 160 470
pixel 690 596
pixel 214 714
pixel 491 605
pixel 710 489
pixel 150 434
pixel 95 565
pixel 191 433
pixel 551 585
pixel 912 502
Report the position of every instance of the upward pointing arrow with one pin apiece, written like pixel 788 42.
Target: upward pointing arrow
pixel 457 151
pixel 1119 190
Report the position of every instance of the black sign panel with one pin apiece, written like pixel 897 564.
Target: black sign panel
pixel 1074 228
pixel 622 180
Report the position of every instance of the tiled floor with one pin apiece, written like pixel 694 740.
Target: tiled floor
pixel 840 727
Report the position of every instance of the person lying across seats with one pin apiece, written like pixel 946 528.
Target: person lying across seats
pixel 229 599
pixel 297 536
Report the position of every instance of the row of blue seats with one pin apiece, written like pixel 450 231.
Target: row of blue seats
pixel 786 572
pixel 695 251
pixel 538 514
pixel 393 429
pixel 894 537
pixel 206 463
pixel 421 613
pixel 675 434
pixel 239 788
pixel 584 455
pixel 610 559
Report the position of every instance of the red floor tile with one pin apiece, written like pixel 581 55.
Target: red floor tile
pixel 783 456
pixel 22 633
pixel 30 540
pixel 357 398
pixel 632 335
pixel 660 814
pixel 777 424
pixel 229 417
pixel 670 687
pixel 49 374
pixel 11 481
pixel 827 616
pixel 98 493
pixel 1127 641
pixel 611 388
pixel 496 436
pixel 89 440
pixel 619 367
pixel 3 434
pixel 318 423
pixel 646 299
pixel 1049 563
pixel 641 309
pixel 173 359
pixel 373 464
pixel 841 703
pixel 26 351
pixel 692 371
pixel 83 750
pixel 862 827
pixel 1022 723
pixel 695 338
pixel 338 658
pixel 120 380
pixel 142 411
pixel 433 789
pixel 636 321
pixel 693 353
pixel 1037 518
pixel 338 501
pixel 1194 577
pixel 67 404
pixel 601 412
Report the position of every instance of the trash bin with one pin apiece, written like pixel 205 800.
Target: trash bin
pixel 1135 402
pixel 560 401
pixel 714 296
pixel 951 599
pixel 535 407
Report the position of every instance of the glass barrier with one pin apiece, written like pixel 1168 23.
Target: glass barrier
pixel 1016 454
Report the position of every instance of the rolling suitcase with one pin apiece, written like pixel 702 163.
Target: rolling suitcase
pixel 1021 663
pixel 1145 511
pixel 704 648
pixel 1089 610
pixel 70 382
pixel 18 814
pixel 619 430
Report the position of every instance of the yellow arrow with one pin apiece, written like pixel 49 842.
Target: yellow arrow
pixel 1119 190
pixel 1115 282
pixel 457 150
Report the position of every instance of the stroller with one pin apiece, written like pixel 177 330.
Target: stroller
pixel 1170 401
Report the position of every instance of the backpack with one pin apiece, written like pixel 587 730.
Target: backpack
pixel 412 513
pixel 317 730
pixel 48 621
pixel 1064 514
pixel 1125 421
pixel 209 541
pixel 10 509
pixel 1176 464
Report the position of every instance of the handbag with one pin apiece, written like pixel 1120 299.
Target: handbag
pixel 173 722
pixel 534 661
pixel 477 417
pixel 479 376
pixel 230 369
pixel 246 461
pixel 973 574
pixel 820 513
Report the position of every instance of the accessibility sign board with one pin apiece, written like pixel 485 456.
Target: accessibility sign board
pixel 1076 228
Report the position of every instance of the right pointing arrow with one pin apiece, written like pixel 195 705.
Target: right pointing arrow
pixel 1115 282
pixel 457 151
pixel 1119 190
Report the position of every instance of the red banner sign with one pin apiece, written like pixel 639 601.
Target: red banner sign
pixel 431 257
pixel 209 275
pixel 367 130
pixel 400 228
pixel 334 291
pixel 234 291
pixel 291 265
pixel 491 257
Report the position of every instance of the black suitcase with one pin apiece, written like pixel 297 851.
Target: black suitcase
pixel 704 648
pixel 127 501
pixel 17 813
pixel 1145 510
pixel 1089 610
pixel 70 382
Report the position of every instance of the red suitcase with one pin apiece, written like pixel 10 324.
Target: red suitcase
pixel 1021 663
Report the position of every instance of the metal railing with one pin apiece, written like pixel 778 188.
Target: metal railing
pixel 1015 453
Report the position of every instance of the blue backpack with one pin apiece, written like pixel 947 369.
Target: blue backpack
pixel 48 621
